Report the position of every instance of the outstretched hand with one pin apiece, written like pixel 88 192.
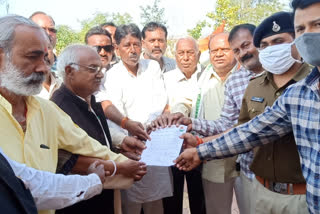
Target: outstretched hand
pixel 188 160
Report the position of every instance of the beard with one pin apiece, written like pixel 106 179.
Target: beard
pixel 12 79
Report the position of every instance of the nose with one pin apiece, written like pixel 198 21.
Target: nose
pixel 101 73
pixel 42 66
pixel 185 56
pixel 156 43
pixel 132 49
pixel 219 53
pixel 102 52
pixel 242 53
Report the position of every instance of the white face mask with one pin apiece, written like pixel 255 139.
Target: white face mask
pixel 277 59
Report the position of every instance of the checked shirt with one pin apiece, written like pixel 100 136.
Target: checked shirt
pixel 297 110
pixel 234 91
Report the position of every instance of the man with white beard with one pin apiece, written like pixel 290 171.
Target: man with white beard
pixel 32 129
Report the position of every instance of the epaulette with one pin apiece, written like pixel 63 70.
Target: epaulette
pixel 258 75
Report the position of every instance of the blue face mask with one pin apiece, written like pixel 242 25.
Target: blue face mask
pixel 308 45
pixel 277 59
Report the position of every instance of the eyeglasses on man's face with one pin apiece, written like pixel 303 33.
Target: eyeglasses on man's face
pixel 106 48
pixel 92 69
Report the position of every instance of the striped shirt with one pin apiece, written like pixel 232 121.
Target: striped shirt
pixel 297 110
pixel 234 91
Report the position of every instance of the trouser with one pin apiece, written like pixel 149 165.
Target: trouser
pixel 152 207
pixel 268 202
pixel 218 196
pixel 248 194
pixel 173 205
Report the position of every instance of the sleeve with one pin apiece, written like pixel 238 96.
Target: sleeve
pixel 228 118
pixel 112 90
pixel 117 133
pixel 75 140
pixel 243 115
pixel 265 128
pixel 55 191
pixel 66 161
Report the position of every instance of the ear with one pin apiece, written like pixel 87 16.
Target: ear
pixel 143 43
pixel 199 54
pixel 2 57
pixel 116 47
pixel 69 71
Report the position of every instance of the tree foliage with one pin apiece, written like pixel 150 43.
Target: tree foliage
pixel 236 12
pixel 152 13
pixel 66 35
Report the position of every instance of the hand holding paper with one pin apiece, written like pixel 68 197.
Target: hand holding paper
pixel 164 146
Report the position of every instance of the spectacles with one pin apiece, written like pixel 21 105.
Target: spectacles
pixel 92 69
pixel 106 48
pixel 52 30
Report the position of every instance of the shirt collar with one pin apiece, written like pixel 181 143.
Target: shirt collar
pixel 181 76
pixel 213 73
pixel 301 73
pixel 32 104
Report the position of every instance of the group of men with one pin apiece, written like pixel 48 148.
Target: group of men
pixel 259 90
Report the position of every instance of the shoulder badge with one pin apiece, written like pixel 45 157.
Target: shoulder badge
pixel 276 27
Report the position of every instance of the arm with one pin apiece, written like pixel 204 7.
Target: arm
pixel 55 191
pixel 228 118
pixel 265 128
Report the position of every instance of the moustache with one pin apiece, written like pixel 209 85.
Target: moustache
pixel 133 55
pixel 35 78
pixel 157 49
pixel 246 57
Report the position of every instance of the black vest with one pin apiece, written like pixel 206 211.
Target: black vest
pixel 78 110
pixel 14 197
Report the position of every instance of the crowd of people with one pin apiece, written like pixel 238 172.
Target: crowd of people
pixel 73 127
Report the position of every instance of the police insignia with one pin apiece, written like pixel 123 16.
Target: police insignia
pixel 276 27
pixel 257 99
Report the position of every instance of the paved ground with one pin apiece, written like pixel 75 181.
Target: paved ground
pixel 186 210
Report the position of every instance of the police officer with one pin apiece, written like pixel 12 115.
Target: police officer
pixel 279 186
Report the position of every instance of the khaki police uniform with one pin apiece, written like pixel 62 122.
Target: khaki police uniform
pixel 279 186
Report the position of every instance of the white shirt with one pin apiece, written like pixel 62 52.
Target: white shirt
pixel 55 84
pixel 55 191
pixel 182 91
pixel 141 98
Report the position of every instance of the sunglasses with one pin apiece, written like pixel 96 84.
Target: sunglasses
pixel 52 30
pixel 106 48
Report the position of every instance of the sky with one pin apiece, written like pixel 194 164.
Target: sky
pixel 180 14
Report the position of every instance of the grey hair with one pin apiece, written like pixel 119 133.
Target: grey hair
pixel 196 45
pixel 8 24
pixel 71 55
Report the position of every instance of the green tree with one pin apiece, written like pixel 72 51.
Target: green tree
pixel 66 36
pixel 101 18
pixel 152 13
pixel 236 12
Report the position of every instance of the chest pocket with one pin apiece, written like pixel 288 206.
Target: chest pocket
pixel 256 107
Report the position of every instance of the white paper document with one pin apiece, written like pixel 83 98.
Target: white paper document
pixel 164 147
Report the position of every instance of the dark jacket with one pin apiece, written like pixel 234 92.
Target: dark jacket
pixel 14 197
pixel 79 112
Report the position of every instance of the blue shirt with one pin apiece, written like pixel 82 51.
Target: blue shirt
pixel 297 110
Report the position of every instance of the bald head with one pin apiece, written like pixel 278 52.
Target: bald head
pixel 47 23
pixel 188 39
pixel 187 55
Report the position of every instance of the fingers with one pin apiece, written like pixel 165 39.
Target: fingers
pixel 132 156
pixel 94 164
